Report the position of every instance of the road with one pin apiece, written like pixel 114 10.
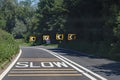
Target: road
pixel 47 63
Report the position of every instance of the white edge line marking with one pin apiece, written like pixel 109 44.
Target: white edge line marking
pixel 83 68
pixel 81 71
pixel 95 74
pixel 10 66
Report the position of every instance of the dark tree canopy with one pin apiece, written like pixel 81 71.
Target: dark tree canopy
pixel 94 21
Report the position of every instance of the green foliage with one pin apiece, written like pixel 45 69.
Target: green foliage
pixel 2 23
pixel 97 25
pixel 17 17
pixel 8 13
pixel 100 49
pixel 19 30
pixel 51 16
pixel 116 29
pixel 8 46
pixel 21 42
pixel 96 22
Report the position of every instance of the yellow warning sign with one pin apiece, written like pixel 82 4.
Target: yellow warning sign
pixel 71 36
pixel 46 37
pixel 32 38
pixel 59 36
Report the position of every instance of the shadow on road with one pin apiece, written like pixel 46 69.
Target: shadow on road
pixel 112 68
pixel 72 53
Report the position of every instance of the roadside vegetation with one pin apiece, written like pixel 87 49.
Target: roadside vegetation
pixel 96 23
pixel 21 42
pixel 99 49
pixel 8 47
pixel 52 45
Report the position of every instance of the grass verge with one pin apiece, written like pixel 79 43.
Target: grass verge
pixel 52 45
pixel 8 47
pixel 21 42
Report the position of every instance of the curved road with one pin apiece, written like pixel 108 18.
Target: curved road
pixel 46 63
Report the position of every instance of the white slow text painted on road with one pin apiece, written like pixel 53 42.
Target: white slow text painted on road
pixel 40 64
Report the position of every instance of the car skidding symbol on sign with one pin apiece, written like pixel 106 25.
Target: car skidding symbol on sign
pixel 46 37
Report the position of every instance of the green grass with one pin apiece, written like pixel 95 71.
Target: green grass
pixel 8 47
pixel 21 42
pixel 53 45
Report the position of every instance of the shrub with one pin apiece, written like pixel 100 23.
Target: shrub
pixel 8 46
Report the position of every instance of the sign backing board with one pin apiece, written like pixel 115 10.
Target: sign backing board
pixel 71 36
pixel 46 37
pixel 32 38
pixel 59 36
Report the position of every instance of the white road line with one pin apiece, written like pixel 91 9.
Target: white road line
pixel 10 66
pixel 65 59
pixel 81 71
pixel 83 68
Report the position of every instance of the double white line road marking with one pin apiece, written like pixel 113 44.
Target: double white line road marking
pixel 88 73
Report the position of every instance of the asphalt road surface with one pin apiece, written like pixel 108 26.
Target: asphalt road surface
pixel 46 63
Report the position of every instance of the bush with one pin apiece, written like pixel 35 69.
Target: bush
pixel 8 46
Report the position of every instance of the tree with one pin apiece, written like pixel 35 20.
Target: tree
pixel 19 30
pixel 8 12
pixel 51 16
pixel 13 11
